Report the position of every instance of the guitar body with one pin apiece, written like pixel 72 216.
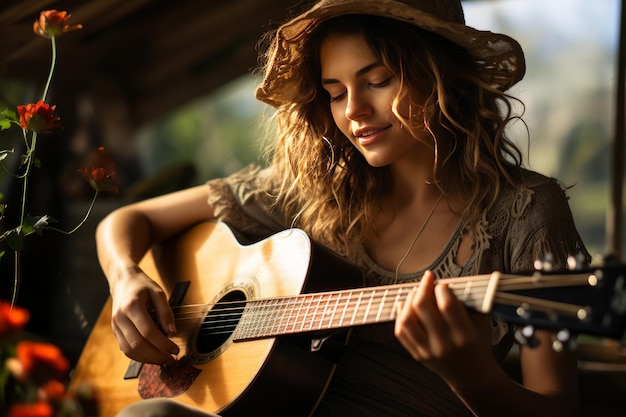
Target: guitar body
pixel 219 375
pixel 248 317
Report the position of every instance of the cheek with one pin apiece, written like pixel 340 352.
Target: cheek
pixel 342 123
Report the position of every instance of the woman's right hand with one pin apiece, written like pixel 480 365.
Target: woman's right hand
pixel 142 319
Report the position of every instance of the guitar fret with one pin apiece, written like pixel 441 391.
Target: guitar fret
pixel 369 306
pixel 356 308
pixel 266 318
pixel 283 318
pixel 251 313
pixel 293 318
pixel 248 318
pixel 271 324
pixel 382 304
pixel 396 303
pixel 467 290
pixel 331 322
pixel 345 309
pixel 321 322
pixel 269 315
pixel 306 312
pixel 315 312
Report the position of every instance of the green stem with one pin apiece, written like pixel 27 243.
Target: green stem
pixel 16 277
pixel 79 225
pixel 52 65
pixel 30 154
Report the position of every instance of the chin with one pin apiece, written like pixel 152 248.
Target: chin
pixel 376 162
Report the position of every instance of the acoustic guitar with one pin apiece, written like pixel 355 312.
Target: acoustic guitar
pixel 261 326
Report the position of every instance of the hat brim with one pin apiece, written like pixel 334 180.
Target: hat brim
pixel 499 57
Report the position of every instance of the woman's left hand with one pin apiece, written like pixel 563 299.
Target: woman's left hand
pixel 436 328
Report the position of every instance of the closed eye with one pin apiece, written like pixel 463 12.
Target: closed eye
pixel 381 84
pixel 337 97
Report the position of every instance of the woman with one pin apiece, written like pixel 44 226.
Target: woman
pixel 390 149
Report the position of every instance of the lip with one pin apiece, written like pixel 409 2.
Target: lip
pixel 368 135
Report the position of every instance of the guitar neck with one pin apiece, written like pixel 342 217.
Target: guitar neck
pixel 338 309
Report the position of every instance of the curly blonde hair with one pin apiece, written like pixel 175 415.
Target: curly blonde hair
pixel 327 184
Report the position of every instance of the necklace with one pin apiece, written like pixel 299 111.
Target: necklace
pixel 417 235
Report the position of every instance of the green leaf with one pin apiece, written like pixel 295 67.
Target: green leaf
pixel 36 224
pixel 5 124
pixel 9 114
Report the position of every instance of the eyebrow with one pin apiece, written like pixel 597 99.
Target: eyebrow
pixel 365 69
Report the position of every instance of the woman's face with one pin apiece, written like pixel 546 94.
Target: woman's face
pixel 362 91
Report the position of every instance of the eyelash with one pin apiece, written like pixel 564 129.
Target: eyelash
pixel 374 85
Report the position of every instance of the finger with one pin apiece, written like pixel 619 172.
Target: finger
pixel 164 314
pixel 426 285
pixel 142 336
pixel 453 313
pixel 408 329
pixel 450 307
pixel 427 311
pixel 127 349
pixel 136 346
pixel 152 333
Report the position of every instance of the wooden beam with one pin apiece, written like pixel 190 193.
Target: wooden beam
pixel 202 36
pixel 181 91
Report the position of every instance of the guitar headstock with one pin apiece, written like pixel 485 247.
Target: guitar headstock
pixel 577 301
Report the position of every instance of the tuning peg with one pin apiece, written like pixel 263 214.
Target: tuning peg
pixel 526 336
pixel 563 340
pixel 545 264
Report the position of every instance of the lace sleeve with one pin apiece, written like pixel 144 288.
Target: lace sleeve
pixel 545 226
pixel 243 202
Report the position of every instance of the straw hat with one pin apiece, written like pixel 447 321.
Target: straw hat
pixel 500 58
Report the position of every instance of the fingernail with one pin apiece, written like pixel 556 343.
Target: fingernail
pixel 171 329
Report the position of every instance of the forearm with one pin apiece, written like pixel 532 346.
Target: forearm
pixel 495 393
pixel 126 234
pixel 122 239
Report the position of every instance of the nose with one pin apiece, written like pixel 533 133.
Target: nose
pixel 357 106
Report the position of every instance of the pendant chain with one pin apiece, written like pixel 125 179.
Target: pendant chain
pixel 417 235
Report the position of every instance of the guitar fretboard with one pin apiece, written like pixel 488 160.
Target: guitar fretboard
pixel 338 309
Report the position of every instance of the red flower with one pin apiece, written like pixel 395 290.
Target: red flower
pixel 53 23
pixel 53 390
pixel 100 179
pixel 12 319
pixel 38 117
pixel 39 409
pixel 40 362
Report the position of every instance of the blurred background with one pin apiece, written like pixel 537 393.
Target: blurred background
pixel 167 88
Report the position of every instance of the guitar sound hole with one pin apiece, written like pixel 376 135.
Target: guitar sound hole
pixel 220 322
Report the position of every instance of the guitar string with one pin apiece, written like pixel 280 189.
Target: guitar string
pixel 231 320
pixel 264 311
pixel 296 325
pixel 505 282
pixel 299 326
pixel 197 309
